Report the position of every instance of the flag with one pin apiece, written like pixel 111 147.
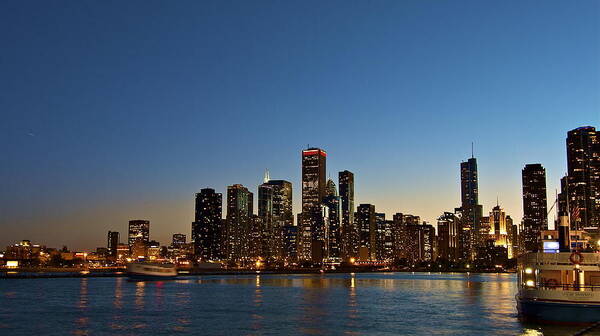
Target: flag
pixel 575 214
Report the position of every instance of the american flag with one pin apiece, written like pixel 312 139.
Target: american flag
pixel 575 213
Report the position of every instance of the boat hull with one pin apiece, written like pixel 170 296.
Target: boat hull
pixel 559 312
pixel 149 277
pixel 150 272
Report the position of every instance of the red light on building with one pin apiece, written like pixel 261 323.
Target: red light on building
pixel 311 152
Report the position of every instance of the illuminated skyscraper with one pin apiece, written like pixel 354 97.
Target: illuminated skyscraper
pixel 113 241
pixel 238 223
pixel 448 237
pixel 312 230
pixel 349 229
pixel 179 240
pixel 333 230
pixel 583 164
pixel 275 210
pixel 470 210
pixel 535 210
pixel 380 223
pixel 139 231
pixel 498 230
pixel 207 227
pixel 367 223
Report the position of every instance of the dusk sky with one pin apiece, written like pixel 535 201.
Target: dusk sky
pixel 114 110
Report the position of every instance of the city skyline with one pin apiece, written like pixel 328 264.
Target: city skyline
pixel 95 137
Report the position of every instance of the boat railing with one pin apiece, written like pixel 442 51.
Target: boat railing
pixel 569 287
pixel 540 258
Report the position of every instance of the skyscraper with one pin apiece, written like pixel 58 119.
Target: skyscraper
pixel 275 210
pixel 535 211
pixel 113 241
pixel 333 230
pixel 471 211
pixel 448 236
pixel 583 167
pixel 238 223
pixel 380 230
pixel 367 223
pixel 349 229
pixel 139 231
pixel 207 228
pixel 312 231
pixel 498 228
pixel 179 240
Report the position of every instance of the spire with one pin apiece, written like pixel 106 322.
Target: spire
pixel 472 151
pixel 267 178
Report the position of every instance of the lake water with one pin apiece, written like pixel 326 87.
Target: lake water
pixel 331 304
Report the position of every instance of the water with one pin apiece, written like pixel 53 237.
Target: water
pixel 332 304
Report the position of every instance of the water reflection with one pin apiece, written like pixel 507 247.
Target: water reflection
pixel 352 304
pixel 139 294
pixel 82 320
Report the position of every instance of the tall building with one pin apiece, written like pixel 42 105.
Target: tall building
pixel 367 223
pixel 405 245
pixel 290 244
pixel 275 211
pixel 471 211
pixel 349 229
pixel 238 225
pixel 113 241
pixel 207 228
pixel 312 230
pixel 139 232
pixel 535 210
pixel 583 170
pixel 448 237
pixel 265 213
pixel 179 240
pixel 380 231
pixel 333 237
pixel 498 229
pixel 512 239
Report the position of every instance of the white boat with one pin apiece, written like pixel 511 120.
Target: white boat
pixel 559 287
pixel 151 271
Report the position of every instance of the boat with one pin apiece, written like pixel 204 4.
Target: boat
pixel 559 286
pixel 151 271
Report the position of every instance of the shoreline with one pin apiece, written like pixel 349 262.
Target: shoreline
pixel 112 273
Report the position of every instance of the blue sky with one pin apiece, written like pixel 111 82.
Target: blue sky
pixel 113 110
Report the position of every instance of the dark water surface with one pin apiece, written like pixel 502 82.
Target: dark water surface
pixel 332 304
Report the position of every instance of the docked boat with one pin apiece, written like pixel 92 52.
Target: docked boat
pixel 151 271
pixel 559 287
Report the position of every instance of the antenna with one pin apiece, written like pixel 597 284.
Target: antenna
pixel 267 178
pixel 472 152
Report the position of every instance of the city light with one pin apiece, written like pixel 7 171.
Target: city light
pixel 528 270
pixel 530 283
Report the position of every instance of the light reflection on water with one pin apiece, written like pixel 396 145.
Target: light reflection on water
pixel 351 304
